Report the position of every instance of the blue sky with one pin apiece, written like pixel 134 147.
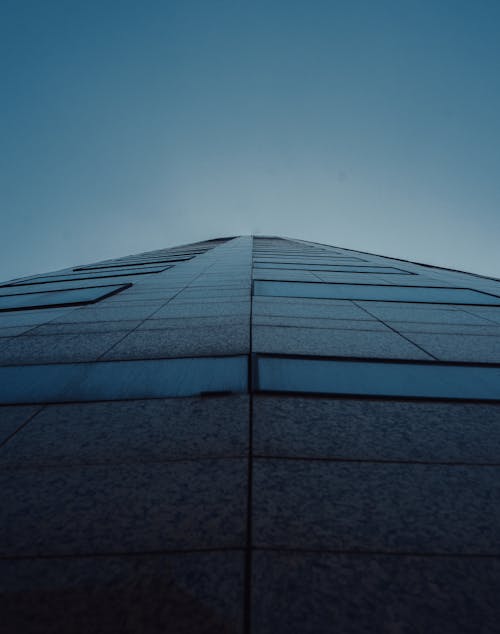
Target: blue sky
pixel 131 126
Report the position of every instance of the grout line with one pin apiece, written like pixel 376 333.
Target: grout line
pixel 396 331
pixel 150 316
pixel 247 598
pixel 74 308
pixel 128 359
pixel 28 420
pixel 372 553
pixel 395 259
pixel 336 328
pixel 141 553
pixel 437 463
pixel 153 313
pixel 496 323
pixel 61 464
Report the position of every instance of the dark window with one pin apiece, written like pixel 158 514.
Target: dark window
pixel 376 292
pixel 378 378
pixel 53 298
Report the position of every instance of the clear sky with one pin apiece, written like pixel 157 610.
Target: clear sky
pixel 128 126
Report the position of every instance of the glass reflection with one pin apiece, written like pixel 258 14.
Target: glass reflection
pixel 375 378
pixel 414 294
pixel 109 380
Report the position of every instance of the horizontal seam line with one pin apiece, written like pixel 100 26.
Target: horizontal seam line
pixel 380 461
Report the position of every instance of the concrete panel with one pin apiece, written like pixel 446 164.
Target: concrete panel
pixel 178 592
pixel 376 430
pixel 127 431
pixel 129 508
pixel 376 507
pixel 320 593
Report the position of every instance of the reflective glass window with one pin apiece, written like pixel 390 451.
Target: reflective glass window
pixel 68 277
pixel 133 263
pixel 375 378
pixel 331 268
pixel 376 292
pixel 110 380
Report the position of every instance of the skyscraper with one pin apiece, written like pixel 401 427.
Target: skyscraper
pixel 250 435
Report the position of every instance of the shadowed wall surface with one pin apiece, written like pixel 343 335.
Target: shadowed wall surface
pixel 250 435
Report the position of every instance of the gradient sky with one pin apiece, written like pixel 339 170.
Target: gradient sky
pixel 131 126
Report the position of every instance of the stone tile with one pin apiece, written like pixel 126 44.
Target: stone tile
pixel 413 280
pixel 376 507
pixel 241 284
pixel 319 593
pixel 177 592
pixel 125 312
pixel 323 342
pixel 352 278
pixel 14 331
pixel 392 311
pixel 32 317
pixel 203 309
pixel 287 275
pixel 12 417
pixel 126 508
pixel 58 328
pixel 182 342
pixel 57 348
pixel 196 322
pixel 214 293
pixel 450 329
pixel 461 347
pixel 201 299
pixel 484 312
pixel 160 296
pixel 310 308
pixel 96 291
pixel 376 430
pixel 275 300
pixel 131 431
pixel 333 324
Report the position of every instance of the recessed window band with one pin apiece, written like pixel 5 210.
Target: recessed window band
pixel 426 380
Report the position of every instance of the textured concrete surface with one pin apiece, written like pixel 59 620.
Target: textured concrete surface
pixel 57 348
pixel 463 347
pixel 127 508
pixel 32 317
pixel 277 274
pixel 326 342
pixel 351 278
pixel 203 309
pixel 376 430
pixel 13 417
pixel 320 322
pixel 308 308
pixel 393 311
pixel 483 312
pixel 58 328
pixel 250 513
pixel 376 507
pixel 112 313
pixel 311 593
pixel 135 431
pixel 14 331
pixel 182 342
pixel 446 329
pixel 229 321
pixel 177 592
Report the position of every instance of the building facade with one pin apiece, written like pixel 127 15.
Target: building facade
pixel 250 434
